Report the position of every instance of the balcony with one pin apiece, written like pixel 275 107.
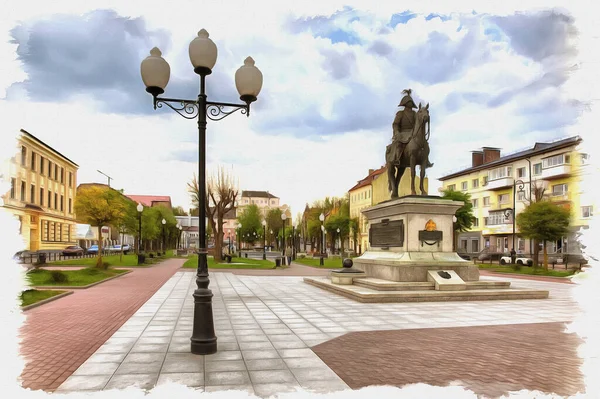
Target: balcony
pixel 560 196
pixel 556 172
pixel 498 184
pixel 505 228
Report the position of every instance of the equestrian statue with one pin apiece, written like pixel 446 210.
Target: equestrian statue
pixel 410 146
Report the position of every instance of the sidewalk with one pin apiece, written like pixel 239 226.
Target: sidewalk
pixel 59 336
pixel 272 332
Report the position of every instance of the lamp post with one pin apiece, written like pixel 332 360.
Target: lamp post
pixel 239 226
pixel 294 240
pixel 283 217
pixel 162 245
pixel 248 80
pixel 513 212
pixel 140 209
pixel 339 238
pixel 322 219
pixel 264 223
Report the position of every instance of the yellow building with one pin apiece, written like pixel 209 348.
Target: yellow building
pixel 370 191
pixel 42 194
pixel 492 180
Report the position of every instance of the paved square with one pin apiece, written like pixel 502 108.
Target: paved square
pixel 266 326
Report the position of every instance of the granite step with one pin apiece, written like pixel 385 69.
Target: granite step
pixel 378 284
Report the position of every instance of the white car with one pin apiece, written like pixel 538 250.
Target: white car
pixel 520 260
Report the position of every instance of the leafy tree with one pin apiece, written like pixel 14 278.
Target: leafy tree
pixel 334 223
pixel 354 225
pixel 179 211
pixel 127 222
pixel 250 218
pixel 221 194
pixel 544 221
pixel 99 206
pixel 274 222
pixel 464 214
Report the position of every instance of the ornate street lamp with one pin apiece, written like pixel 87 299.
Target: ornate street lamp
pixel 248 81
pixel 283 217
pixel 294 226
pixel 140 209
pixel 239 226
pixel 512 213
pixel 339 238
pixel 264 223
pixel 163 236
pixel 322 219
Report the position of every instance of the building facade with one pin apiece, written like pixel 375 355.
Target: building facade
pixel 263 199
pixel 42 194
pixel 493 181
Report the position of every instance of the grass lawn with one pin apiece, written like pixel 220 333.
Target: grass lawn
pixel 527 270
pixel 30 297
pixel 329 263
pixel 129 260
pixel 75 278
pixel 192 263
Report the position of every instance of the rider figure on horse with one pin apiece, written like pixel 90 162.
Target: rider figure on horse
pixel 403 126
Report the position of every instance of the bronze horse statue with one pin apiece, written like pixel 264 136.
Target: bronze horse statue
pixel 415 153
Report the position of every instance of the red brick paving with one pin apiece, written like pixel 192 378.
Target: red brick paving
pixel 59 336
pixel 489 360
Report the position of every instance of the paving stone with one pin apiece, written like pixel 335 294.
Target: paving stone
pixel 265 364
pixel 106 358
pixel 227 378
pixel 224 388
pixel 272 377
pixel 224 355
pixel 97 369
pixel 190 379
pixel 226 365
pixel 142 381
pixel 260 354
pixel 81 382
pixel 182 363
pixel 267 390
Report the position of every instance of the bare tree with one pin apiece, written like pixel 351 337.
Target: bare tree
pixel 221 194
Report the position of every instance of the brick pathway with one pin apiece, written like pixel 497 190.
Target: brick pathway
pixel 489 360
pixel 59 336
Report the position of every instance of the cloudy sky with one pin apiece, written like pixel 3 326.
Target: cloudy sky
pixel 333 76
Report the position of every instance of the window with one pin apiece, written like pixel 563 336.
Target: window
pixel 537 169
pixel 584 158
pixel 70 179
pixel 23 155
pixel 520 244
pixel 475 246
pixel 22 191
pixel 55 201
pixel 57 235
pixel 32 160
pixel 41 196
pixel 464 186
pixel 70 205
pixel 62 200
pixel 452 187
pixel 521 195
pixel 503 199
pixel 12 188
pixel 586 212
pixel 42 165
pixel 62 175
pixel 485 180
pixel 486 201
pixel 69 233
pixel 32 194
pixel 555 160
pixel 45 228
pixel 49 198
pixel 475 222
pixel 497 218
pixel 55 172
pixel 463 244
pixel 475 183
pixel 500 173
pixel 475 202
pixel 559 189
pixel 521 172
pixel 50 169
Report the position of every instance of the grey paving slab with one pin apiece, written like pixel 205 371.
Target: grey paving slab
pixel 267 390
pixel 265 326
pixel 224 388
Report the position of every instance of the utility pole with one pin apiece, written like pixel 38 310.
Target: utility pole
pixel 109 178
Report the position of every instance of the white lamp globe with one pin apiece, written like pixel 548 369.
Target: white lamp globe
pixel 203 53
pixel 140 207
pixel 248 81
pixel 321 217
pixel 155 72
pixel 283 216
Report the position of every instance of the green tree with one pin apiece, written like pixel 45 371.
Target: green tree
pixel 464 214
pixel 274 222
pixel 354 225
pixel 99 206
pixel 179 211
pixel 250 218
pixel 543 221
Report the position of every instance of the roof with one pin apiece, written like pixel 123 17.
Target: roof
pixel 257 194
pixel 538 148
pixel 149 200
pixel 369 179
pixel 46 145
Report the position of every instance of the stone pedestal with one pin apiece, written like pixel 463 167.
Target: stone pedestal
pixel 410 236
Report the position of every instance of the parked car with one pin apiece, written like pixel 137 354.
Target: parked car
pixel 117 248
pixel 520 260
pixel 92 250
pixel 73 250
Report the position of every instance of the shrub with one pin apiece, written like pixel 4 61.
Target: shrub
pixel 151 255
pixel 302 256
pixel 91 271
pixel 57 276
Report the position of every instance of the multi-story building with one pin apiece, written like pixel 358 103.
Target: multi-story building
pixel 263 199
pixel 370 191
pixel 42 194
pixel 190 225
pixel 152 200
pixel 493 181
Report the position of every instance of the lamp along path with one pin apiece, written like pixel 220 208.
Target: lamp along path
pixel 60 336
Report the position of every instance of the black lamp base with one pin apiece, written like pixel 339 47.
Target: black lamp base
pixel 204 341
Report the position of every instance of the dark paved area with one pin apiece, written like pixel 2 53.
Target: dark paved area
pixel 489 360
